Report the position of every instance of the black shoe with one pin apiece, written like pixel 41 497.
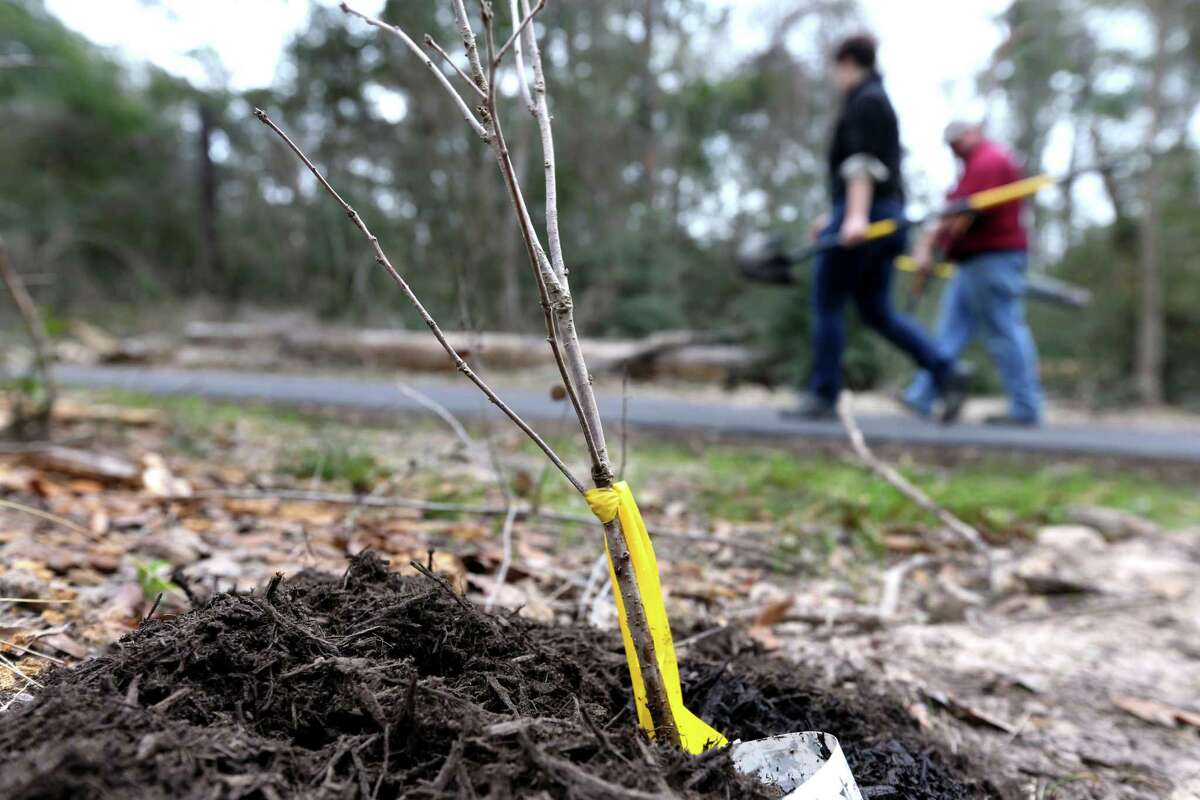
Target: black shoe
pixel 1010 421
pixel 811 407
pixel 954 393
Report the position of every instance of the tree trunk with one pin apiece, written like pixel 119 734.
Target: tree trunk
pixel 649 108
pixel 212 265
pixel 1148 357
pixel 36 421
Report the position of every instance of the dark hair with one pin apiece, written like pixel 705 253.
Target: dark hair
pixel 859 48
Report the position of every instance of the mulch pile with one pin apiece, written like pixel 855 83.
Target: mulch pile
pixel 374 684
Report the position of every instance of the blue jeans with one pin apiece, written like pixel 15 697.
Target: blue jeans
pixel 863 273
pixel 986 295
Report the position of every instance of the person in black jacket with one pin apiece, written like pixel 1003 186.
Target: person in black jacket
pixel 864 186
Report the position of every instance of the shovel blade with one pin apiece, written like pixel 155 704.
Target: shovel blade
pixel 805 766
pixel 763 258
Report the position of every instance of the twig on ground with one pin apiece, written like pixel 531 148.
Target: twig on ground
pixel 893 579
pixel 12 505
pixel 572 775
pixel 888 473
pixel 15 696
pixel 13 668
pixel 595 576
pixel 440 581
pixel 862 619
pixel 441 412
pixel 35 600
pixel 27 651
pixel 506 534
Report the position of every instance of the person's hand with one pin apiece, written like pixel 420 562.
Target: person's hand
pixel 819 224
pixel 854 229
pixel 924 258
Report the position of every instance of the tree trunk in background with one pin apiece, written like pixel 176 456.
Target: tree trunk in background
pixel 212 265
pixel 33 422
pixel 1148 357
pixel 1123 227
pixel 649 108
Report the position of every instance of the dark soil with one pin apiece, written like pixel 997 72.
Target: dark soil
pixel 380 685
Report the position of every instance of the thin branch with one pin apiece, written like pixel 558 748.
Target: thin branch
pixel 542 113
pixel 475 124
pixel 35 601
pixel 519 56
pixel 27 651
pixel 506 534
pixel 893 580
pixel 579 379
pixel 17 671
pixel 441 412
pixel 514 40
pixel 12 505
pixel 437 48
pixel 439 581
pixel 468 36
pixel 429 321
pixel 884 470
pixel 552 293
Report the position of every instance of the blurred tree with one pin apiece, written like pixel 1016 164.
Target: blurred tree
pixel 92 159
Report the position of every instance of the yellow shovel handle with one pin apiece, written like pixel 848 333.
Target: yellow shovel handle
pixel 909 264
pixel 1009 192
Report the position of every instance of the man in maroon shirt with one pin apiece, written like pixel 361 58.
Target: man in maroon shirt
pixel 986 295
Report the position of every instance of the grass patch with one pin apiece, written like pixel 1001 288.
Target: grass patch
pixel 735 482
pixel 198 413
pixel 755 483
pixel 335 460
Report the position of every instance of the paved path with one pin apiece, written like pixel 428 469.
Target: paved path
pixel 462 399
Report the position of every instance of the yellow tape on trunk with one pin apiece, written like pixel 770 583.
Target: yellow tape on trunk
pixel 695 735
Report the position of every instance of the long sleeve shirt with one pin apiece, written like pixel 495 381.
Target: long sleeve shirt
pixel 1000 228
pixel 867 126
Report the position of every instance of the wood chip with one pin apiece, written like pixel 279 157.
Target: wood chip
pixel 1155 712
pixel 969 714
pixel 87 464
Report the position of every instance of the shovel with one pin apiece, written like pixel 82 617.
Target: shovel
pixel 805 766
pixel 767 259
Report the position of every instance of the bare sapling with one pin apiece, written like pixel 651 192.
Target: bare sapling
pixel 547 264
pixel 32 421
